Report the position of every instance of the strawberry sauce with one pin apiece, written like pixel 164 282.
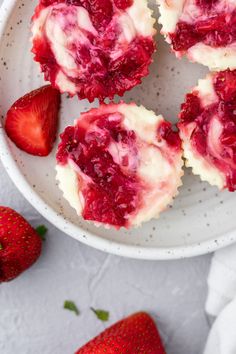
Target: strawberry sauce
pixel 213 28
pixel 224 110
pixel 104 63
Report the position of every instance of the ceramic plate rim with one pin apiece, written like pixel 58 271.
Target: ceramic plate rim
pixel 137 252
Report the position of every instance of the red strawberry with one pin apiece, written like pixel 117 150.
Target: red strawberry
pixel 31 122
pixel 136 334
pixel 20 245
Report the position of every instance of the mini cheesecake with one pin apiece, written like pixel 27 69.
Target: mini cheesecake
pixel 208 129
pixel 204 30
pixel 93 49
pixel 119 165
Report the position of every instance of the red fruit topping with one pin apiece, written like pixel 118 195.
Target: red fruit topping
pixel 206 3
pixel 184 37
pixel 166 132
pixel 113 192
pixel 217 30
pixel 31 122
pixel 225 110
pixel 105 65
pixel 101 11
pixel 225 86
pixel 20 245
pixel 123 4
pixel 191 108
pixel 136 334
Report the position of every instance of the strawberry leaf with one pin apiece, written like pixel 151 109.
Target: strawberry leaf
pixel 70 305
pixel 41 231
pixel 1 247
pixel 102 315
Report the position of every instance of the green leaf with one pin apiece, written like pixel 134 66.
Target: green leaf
pixel 70 305
pixel 41 231
pixel 1 247
pixel 101 314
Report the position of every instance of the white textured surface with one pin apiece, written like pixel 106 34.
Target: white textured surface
pixel 221 302
pixel 32 320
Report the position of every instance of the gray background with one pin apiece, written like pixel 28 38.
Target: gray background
pixel 33 321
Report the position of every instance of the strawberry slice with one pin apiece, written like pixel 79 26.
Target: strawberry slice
pixel 31 122
pixel 136 334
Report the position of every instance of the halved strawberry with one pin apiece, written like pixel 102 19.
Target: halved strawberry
pixel 31 122
pixel 136 334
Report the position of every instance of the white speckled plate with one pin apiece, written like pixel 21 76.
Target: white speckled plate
pixel 201 220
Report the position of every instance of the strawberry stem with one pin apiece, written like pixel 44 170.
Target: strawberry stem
pixel 41 231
